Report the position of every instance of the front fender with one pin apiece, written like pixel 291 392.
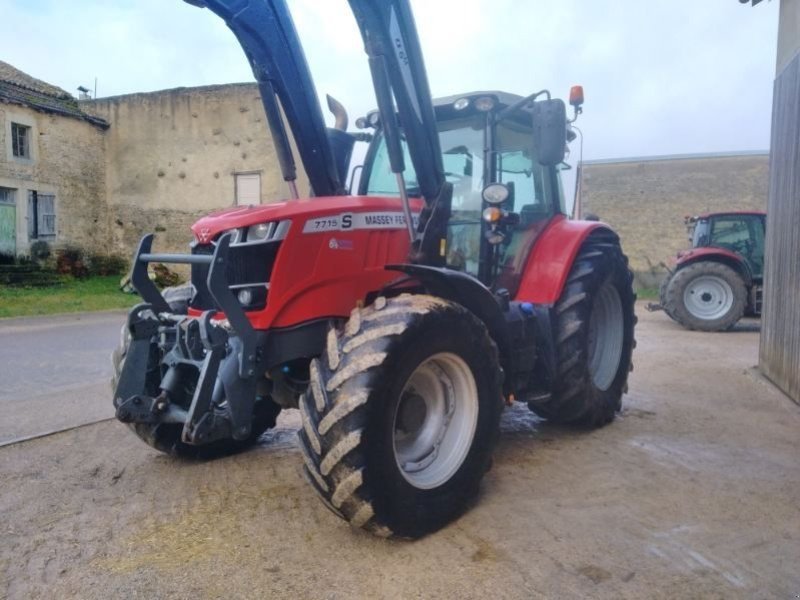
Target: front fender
pixel 466 291
pixel 551 259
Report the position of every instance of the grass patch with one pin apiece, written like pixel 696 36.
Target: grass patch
pixel 647 293
pixel 71 295
pixel 99 293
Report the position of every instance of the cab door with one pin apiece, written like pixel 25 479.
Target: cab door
pixel 742 234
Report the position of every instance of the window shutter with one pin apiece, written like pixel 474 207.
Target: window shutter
pixel 47 215
pixel 248 189
pixel 31 214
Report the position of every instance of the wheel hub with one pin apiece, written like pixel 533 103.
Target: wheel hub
pixel 708 297
pixel 435 420
pixel 411 414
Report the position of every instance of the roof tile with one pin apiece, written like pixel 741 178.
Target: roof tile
pixel 17 87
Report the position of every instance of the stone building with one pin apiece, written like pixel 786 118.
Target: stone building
pixel 52 167
pixel 174 155
pixel 646 199
pixel 98 174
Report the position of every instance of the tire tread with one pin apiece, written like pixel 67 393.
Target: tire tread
pixel 575 400
pixel 363 344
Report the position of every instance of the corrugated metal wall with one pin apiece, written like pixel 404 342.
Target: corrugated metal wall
pixel 780 328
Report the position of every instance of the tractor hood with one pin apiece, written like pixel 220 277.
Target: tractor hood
pixel 297 211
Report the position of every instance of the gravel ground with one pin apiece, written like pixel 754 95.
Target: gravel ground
pixel 693 492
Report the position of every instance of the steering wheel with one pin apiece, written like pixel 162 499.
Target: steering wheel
pixel 742 247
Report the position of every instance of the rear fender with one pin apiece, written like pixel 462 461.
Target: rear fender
pixel 720 255
pixel 551 259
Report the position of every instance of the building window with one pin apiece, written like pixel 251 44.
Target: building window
pixel 41 216
pixel 7 195
pixel 248 188
pixel 20 140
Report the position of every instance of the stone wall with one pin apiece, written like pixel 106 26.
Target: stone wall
pixel 172 155
pixel 67 160
pixel 645 200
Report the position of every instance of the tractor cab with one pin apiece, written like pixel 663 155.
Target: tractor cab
pixel 739 232
pixel 491 228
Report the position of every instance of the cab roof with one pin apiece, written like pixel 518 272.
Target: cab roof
pixel 444 108
pixel 732 212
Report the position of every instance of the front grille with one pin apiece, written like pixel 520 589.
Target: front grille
pixel 202 298
pixel 248 264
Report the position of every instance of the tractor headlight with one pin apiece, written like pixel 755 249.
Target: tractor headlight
pixel 245 297
pixel 495 193
pixel 461 103
pixel 256 233
pixel 484 103
pixel 251 297
pixel 237 236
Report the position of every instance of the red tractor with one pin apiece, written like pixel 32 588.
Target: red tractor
pixel 399 318
pixel 720 279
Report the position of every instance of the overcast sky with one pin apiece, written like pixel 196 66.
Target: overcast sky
pixel 661 76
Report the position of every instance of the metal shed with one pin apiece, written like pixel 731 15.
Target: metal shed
pixel 779 357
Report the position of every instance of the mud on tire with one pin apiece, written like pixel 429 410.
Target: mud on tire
pixel 166 437
pixel 354 414
pixel 594 323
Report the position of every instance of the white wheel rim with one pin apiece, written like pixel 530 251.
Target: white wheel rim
pixel 708 297
pixel 606 334
pixel 435 420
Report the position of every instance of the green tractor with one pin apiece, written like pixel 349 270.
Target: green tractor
pixel 720 279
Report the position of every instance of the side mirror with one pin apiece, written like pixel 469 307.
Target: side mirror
pixel 550 131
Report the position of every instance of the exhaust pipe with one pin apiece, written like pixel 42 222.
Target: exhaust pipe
pixel 339 113
pixel 340 141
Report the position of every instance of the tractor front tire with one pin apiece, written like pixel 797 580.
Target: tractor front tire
pixel 594 323
pixel 707 296
pixel 401 415
pixel 166 437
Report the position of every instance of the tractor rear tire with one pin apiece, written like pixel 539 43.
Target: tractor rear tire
pixel 401 415
pixel 662 296
pixel 166 437
pixel 707 296
pixel 594 323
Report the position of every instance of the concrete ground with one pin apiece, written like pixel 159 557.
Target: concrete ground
pixel 693 492
pixel 55 372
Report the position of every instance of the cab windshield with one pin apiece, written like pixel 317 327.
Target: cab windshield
pixel 464 158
